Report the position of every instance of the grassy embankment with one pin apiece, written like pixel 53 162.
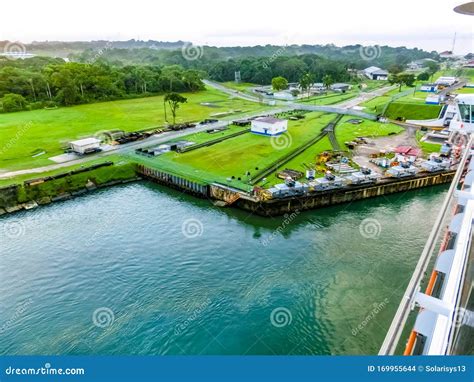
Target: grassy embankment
pixel 71 183
pixel 25 134
pixel 235 156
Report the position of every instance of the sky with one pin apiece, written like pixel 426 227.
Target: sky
pixel 426 24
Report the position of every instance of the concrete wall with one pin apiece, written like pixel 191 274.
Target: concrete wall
pixel 276 207
pixel 174 181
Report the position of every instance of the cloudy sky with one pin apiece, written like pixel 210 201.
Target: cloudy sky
pixel 428 24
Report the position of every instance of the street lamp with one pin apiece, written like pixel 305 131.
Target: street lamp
pixel 465 9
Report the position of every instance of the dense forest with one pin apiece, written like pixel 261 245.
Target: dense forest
pixel 46 82
pixel 107 70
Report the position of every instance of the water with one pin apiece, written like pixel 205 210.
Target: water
pixel 140 269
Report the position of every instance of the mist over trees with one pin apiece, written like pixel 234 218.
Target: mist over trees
pixel 108 70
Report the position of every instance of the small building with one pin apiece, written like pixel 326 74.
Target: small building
pixel 407 153
pixel 85 146
pixel 375 73
pixel 446 54
pixel 469 64
pixel 283 95
pixel 340 87
pixel 318 87
pixel 269 126
pixel 429 88
pixel 445 81
pixel 432 100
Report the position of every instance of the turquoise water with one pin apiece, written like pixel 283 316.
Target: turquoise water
pixel 140 269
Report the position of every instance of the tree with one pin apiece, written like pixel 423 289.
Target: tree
pixel 305 82
pixel 328 81
pixel 432 67
pixel 13 102
pixel 402 79
pixel 395 68
pixel 279 83
pixel 424 76
pixel 174 100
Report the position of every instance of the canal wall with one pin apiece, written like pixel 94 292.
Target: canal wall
pixel 174 181
pixel 275 207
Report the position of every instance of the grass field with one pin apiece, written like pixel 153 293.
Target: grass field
pixel 427 148
pixel 346 131
pixel 25 133
pixel 376 104
pixel 252 153
pixel 465 91
pixel 329 99
pixel 307 157
pixel 412 111
pixel 416 97
pixel 236 156
pixel 241 86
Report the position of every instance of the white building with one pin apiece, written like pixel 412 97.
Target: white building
pixel 86 145
pixel 430 88
pixel 375 73
pixel 284 95
pixel 445 81
pixel 269 126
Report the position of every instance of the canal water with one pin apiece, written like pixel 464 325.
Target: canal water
pixel 140 269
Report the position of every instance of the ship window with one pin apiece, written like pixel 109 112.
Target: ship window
pixel 465 111
pixel 451 240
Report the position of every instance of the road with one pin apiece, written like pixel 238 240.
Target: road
pixel 342 108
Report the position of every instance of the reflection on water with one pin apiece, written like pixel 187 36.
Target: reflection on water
pixel 140 269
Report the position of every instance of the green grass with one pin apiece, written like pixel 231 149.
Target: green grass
pixel 376 104
pixel 77 181
pixel 25 133
pixel 116 159
pixel 346 132
pixel 236 156
pixel 306 158
pixel 427 148
pixel 416 97
pixel 204 136
pixel 329 99
pixel 465 91
pixel 241 86
pixel 467 73
pixel 412 111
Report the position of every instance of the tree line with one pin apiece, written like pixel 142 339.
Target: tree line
pixel 47 82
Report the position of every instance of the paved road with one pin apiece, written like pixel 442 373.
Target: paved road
pixel 342 108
